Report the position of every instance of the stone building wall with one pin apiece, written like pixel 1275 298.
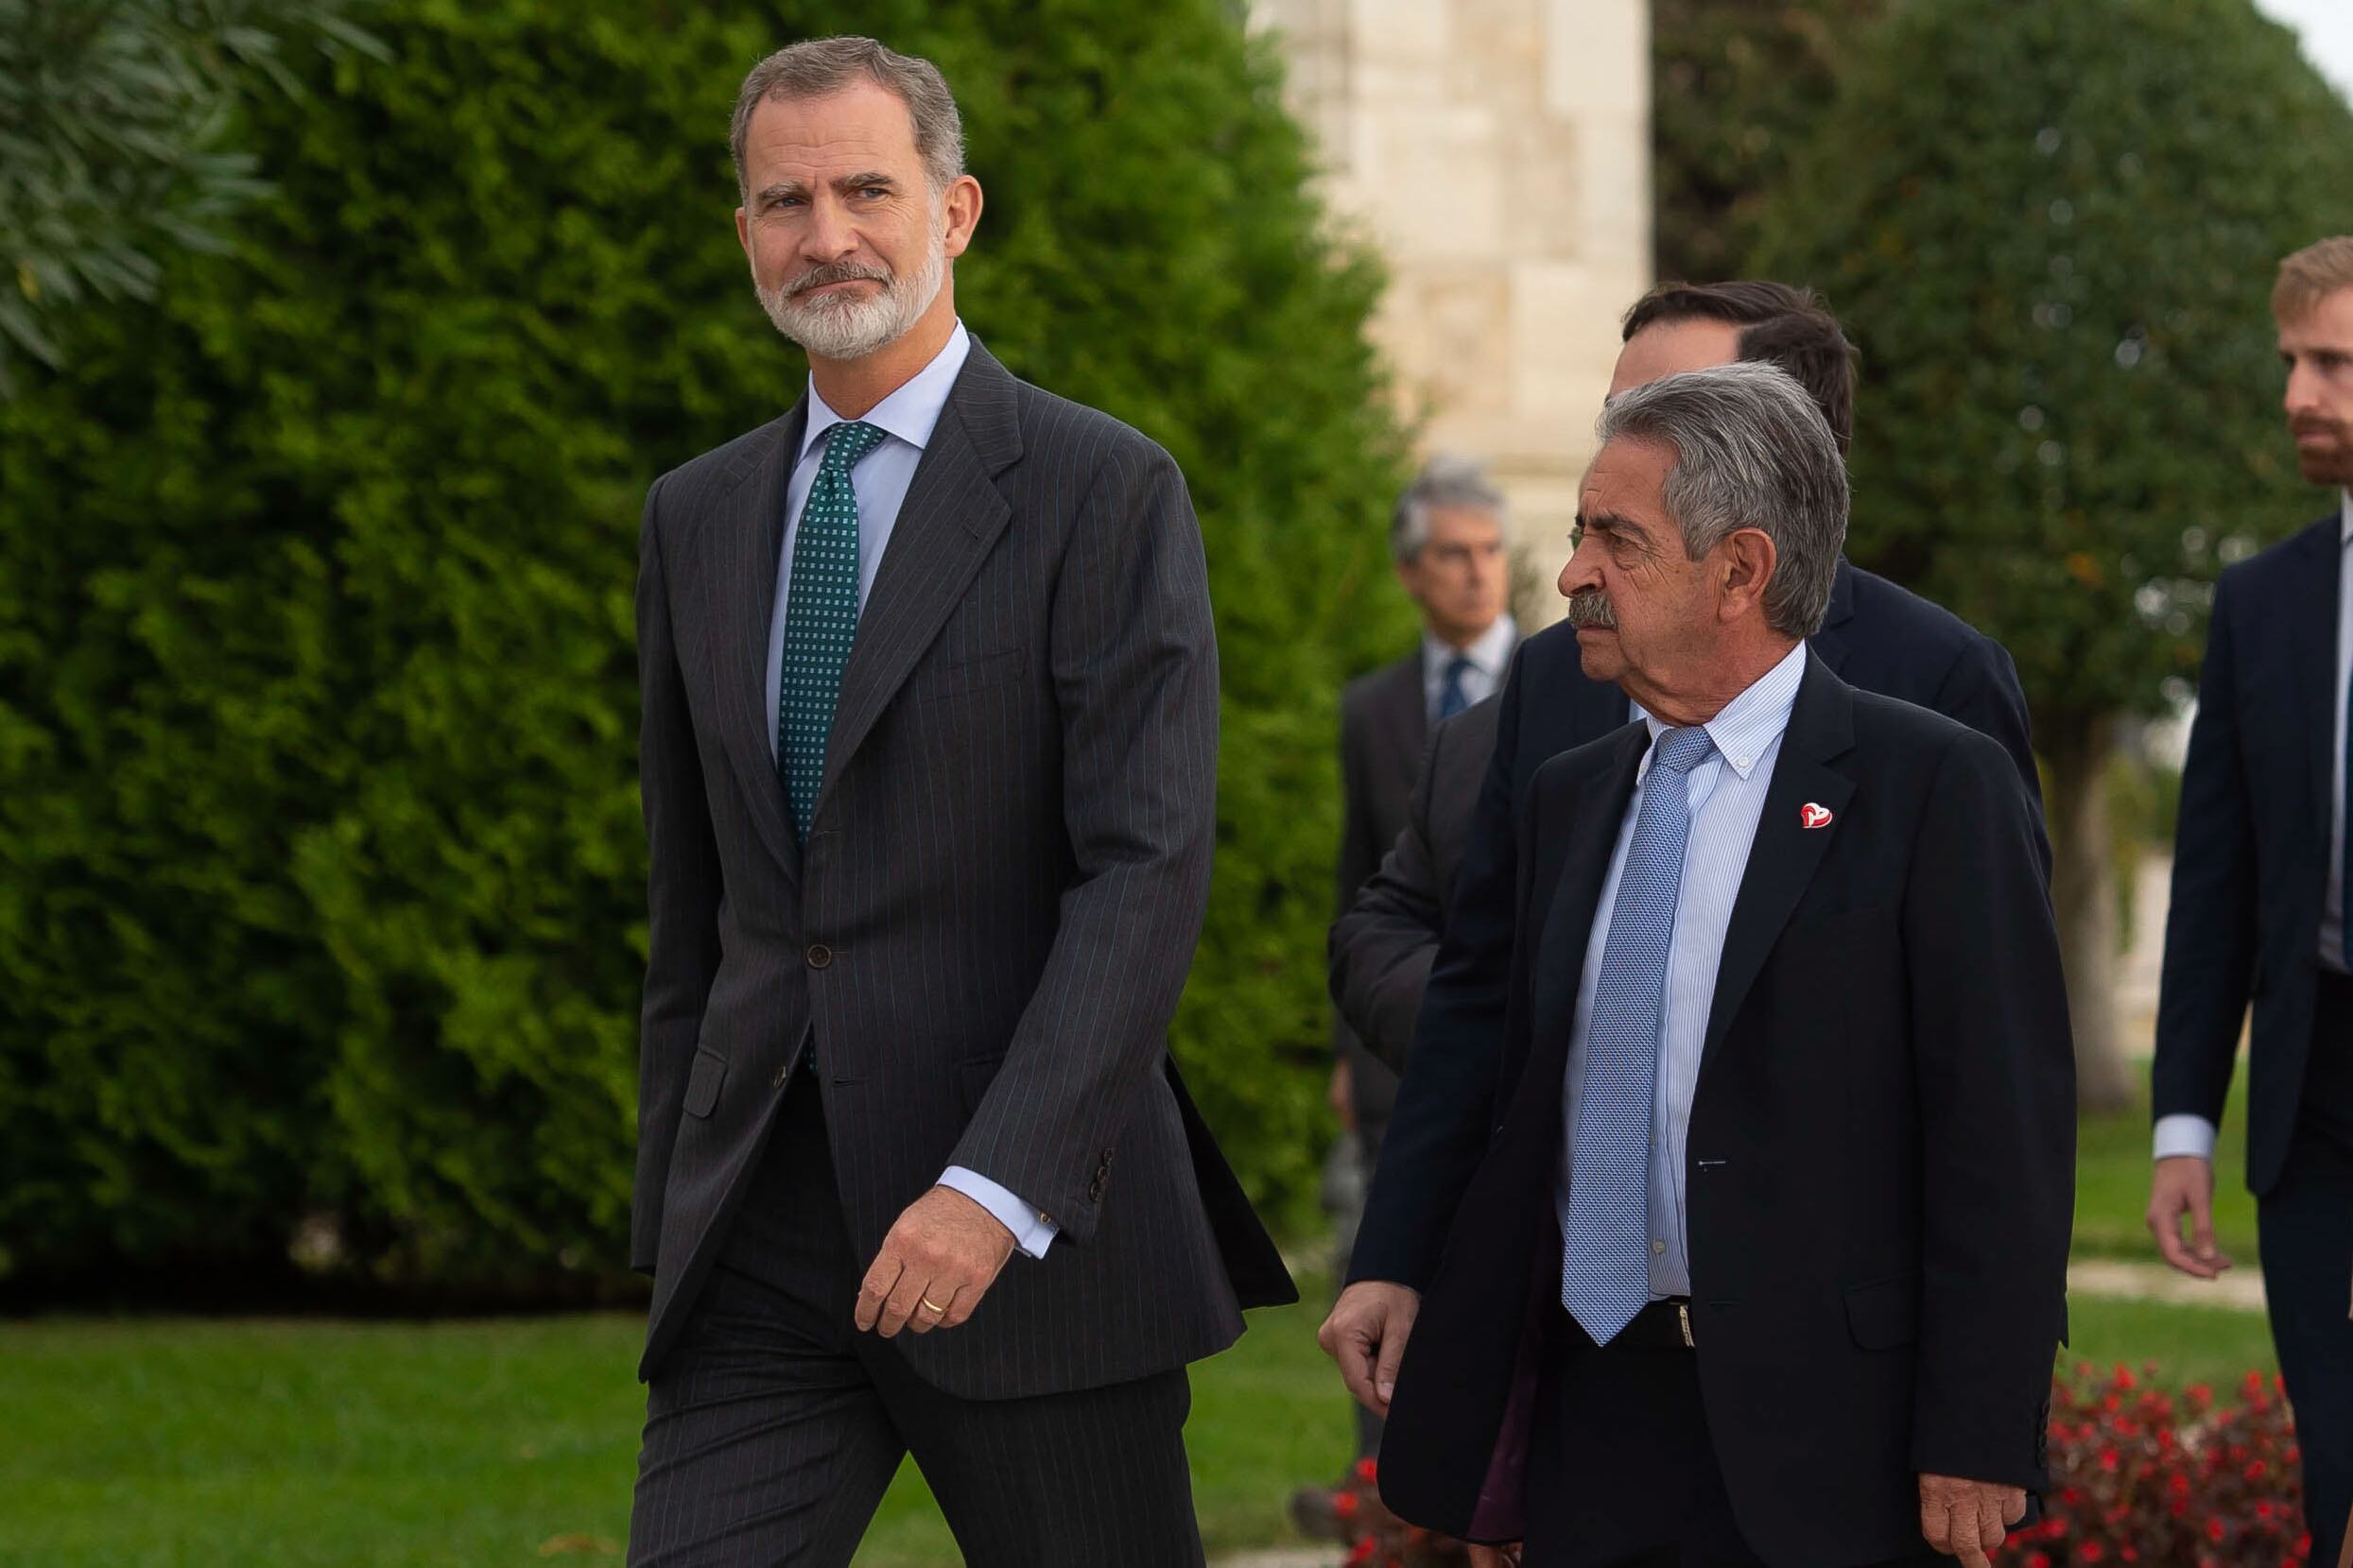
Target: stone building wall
pixel 1497 153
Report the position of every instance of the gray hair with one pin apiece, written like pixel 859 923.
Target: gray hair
pixel 1752 451
pixel 819 66
pixel 1443 482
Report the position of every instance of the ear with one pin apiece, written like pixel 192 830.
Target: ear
pixel 962 207
pixel 743 231
pixel 1746 560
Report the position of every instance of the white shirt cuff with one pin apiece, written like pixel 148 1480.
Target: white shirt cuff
pixel 1032 1231
pixel 2185 1133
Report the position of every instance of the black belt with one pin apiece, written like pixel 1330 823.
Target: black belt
pixel 1661 1326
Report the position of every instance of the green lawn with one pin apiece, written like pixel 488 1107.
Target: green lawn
pixel 178 1443
pixel 171 1443
pixel 2112 1187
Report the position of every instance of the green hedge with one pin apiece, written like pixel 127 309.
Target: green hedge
pixel 319 861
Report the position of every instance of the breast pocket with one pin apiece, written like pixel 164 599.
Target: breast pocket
pixel 965 676
pixel 703 1082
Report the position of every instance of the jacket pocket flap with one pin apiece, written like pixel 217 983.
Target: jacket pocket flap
pixel 1885 1313
pixel 703 1082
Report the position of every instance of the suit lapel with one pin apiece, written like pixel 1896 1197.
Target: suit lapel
pixel 1567 930
pixel 750 530
pixel 952 515
pixel 1785 855
pixel 2310 616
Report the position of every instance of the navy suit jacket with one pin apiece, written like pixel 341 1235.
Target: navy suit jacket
pixel 1878 1272
pixel 2251 851
pixel 1895 643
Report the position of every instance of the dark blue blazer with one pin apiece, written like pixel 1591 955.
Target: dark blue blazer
pixel 1878 1272
pixel 2251 851
pixel 1876 636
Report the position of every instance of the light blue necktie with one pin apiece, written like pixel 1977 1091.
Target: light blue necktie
pixel 1452 700
pixel 821 619
pixel 1605 1256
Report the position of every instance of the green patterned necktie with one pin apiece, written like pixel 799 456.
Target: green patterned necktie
pixel 821 619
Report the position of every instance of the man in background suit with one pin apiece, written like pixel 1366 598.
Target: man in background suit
pixel 928 756
pixel 1744 1239
pixel 1875 635
pixel 2258 910
pixel 1448 543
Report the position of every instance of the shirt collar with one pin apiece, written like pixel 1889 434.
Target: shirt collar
pixel 1488 653
pixel 2345 527
pixel 1746 727
pixel 913 411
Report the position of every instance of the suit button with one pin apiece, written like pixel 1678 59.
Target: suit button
pixel 820 955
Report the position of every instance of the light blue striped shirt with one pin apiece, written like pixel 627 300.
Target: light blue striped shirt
pixel 1727 796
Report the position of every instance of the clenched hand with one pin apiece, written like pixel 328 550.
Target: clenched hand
pixel 1968 1519
pixel 936 1264
pixel 1366 1334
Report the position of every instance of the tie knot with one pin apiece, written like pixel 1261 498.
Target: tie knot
pixel 1681 751
pixel 850 440
pixel 1458 666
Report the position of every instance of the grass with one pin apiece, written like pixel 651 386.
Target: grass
pixel 179 1443
pixel 273 1444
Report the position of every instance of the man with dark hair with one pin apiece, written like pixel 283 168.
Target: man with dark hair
pixel 928 753
pixel 1447 541
pixel 1874 635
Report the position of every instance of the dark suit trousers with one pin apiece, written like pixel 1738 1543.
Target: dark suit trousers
pixel 774 1426
pixel 2306 1228
pixel 1621 1472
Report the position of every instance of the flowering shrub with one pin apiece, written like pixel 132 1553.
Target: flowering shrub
pixel 2139 1475
pixel 2144 1475
pixel 1378 1539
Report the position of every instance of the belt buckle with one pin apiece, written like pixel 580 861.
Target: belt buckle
pixel 1683 1317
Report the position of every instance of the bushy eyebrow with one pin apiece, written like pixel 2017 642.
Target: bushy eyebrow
pixel 767 196
pixel 1613 522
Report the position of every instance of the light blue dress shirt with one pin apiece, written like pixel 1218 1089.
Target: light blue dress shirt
pixel 907 417
pixel 1726 794
pixel 1490 654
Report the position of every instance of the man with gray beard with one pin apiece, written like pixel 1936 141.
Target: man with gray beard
pixel 928 756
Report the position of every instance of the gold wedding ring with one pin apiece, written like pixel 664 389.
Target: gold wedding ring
pixel 935 1307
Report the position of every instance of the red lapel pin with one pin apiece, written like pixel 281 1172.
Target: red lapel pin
pixel 1813 816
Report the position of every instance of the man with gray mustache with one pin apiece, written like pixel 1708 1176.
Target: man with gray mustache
pixel 1455 869
pixel 928 753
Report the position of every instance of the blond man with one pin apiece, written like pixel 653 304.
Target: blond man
pixel 2259 909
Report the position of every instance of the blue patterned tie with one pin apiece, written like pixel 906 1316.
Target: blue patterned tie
pixel 1452 700
pixel 821 619
pixel 1606 1259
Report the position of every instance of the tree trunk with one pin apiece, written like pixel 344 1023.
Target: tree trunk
pixel 2083 892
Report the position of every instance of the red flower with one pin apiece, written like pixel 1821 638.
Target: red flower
pixel 2091 1551
pixel 1368 1471
pixel 2256 1470
pixel 1364 1550
pixel 2107 1460
pixel 2214 1530
pixel 1345 1505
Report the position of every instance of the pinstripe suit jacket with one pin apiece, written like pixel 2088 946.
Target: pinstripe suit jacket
pixel 986 932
